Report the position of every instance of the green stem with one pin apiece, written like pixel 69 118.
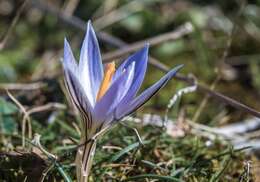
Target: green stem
pixel 84 158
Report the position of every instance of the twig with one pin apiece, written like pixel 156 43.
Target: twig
pixel 177 97
pixel 53 158
pixel 23 110
pixel 118 165
pixel 225 99
pixel 242 59
pixel 253 134
pixel 204 101
pixel 46 107
pixel 118 14
pixel 22 86
pixel 27 113
pixel 136 132
pixel 104 8
pixel 70 7
pixel 75 22
pixel 176 34
pixel 11 27
pixel 45 172
pixel 229 101
pixel 245 176
pixel 241 127
pixel 49 106
pixel 37 143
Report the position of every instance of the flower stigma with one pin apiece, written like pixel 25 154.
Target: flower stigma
pixel 109 72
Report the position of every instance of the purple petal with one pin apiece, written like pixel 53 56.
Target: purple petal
pixel 90 64
pixel 68 58
pixel 141 58
pixel 127 109
pixel 116 92
pixel 79 99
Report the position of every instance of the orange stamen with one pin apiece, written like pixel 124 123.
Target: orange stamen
pixel 109 72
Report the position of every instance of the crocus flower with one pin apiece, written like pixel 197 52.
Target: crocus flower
pixel 102 94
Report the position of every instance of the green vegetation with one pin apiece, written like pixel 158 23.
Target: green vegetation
pixel 32 54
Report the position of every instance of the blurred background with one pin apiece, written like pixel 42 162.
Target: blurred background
pixel 217 41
